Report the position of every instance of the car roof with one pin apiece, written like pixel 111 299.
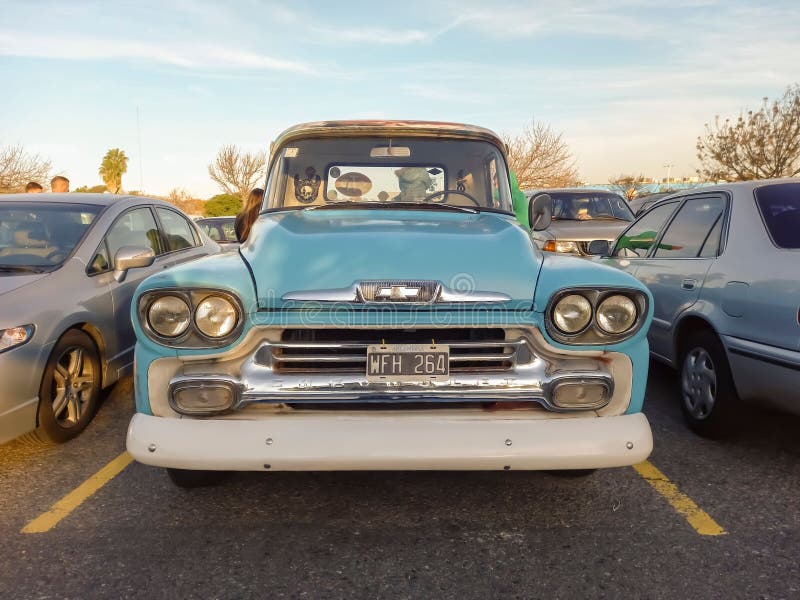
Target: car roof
pixel 79 198
pixel 398 128
pixel 584 190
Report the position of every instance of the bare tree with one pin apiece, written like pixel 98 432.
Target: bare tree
pixel 758 145
pixel 630 186
pixel 18 167
pixel 237 172
pixel 185 201
pixel 540 157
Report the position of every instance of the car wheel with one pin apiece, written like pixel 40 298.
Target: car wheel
pixel 70 388
pixel 187 478
pixel 709 400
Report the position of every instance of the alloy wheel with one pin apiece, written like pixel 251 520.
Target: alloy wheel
pixel 73 380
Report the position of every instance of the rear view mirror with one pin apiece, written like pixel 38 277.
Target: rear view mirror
pixel 598 248
pixel 540 212
pixel 131 257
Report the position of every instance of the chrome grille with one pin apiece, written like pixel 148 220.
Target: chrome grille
pixel 408 291
pixel 472 350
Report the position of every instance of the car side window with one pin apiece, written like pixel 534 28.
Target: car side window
pixel 691 228
pixel 639 238
pixel 136 227
pixel 177 230
pixel 100 261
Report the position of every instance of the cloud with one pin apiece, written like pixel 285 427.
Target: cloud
pixel 178 54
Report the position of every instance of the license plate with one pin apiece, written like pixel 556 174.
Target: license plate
pixel 408 362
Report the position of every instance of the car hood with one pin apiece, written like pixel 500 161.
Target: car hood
pixel 586 231
pixel 300 251
pixel 9 283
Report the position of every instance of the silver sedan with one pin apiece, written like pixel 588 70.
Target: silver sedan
pixel 69 264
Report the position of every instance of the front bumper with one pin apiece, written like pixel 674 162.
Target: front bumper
pixel 390 441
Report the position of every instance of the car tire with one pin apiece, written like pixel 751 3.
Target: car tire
pixel 187 478
pixel 709 401
pixel 69 392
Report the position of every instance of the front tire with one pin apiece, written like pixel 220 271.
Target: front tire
pixel 186 478
pixel 709 402
pixel 69 393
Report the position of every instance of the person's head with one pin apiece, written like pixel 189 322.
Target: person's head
pixel 251 209
pixel 414 183
pixel 59 184
pixel 33 188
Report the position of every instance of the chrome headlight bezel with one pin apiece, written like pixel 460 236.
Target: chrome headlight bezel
pixel 593 334
pixel 193 337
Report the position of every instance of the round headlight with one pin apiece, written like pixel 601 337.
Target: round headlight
pixel 616 314
pixel 169 316
pixel 572 313
pixel 215 316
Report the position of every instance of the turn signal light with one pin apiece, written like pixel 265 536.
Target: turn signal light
pixel 549 246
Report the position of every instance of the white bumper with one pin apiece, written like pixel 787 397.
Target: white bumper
pixel 317 442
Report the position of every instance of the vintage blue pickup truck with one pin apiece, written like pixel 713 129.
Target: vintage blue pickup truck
pixel 388 311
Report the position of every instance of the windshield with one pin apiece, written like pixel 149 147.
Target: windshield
pixel 389 172
pixel 588 206
pixel 219 230
pixel 35 236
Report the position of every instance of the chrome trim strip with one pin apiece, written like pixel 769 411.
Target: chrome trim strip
pixel 355 293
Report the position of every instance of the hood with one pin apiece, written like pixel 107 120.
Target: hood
pixel 11 282
pixel 586 231
pixel 301 250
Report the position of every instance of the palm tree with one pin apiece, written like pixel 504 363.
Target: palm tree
pixel 114 165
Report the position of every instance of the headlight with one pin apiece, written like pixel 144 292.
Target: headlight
pixel 215 317
pixel 572 313
pixel 561 246
pixel 15 336
pixel 169 316
pixel 586 316
pixel 616 314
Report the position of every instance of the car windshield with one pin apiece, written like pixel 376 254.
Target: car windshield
pixel 219 230
pixel 384 172
pixel 588 206
pixel 36 236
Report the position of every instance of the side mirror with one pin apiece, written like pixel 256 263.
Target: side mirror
pixel 540 212
pixel 131 257
pixel 599 248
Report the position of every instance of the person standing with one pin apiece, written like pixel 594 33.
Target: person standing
pixel 246 218
pixel 33 188
pixel 59 184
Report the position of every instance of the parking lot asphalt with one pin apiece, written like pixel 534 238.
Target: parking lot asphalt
pixel 410 534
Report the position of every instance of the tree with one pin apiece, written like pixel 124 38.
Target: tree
pixel 758 145
pixel 184 200
pixel 18 167
pixel 630 186
pixel 237 172
pixel 95 189
pixel 113 167
pixel 540 157
pixel 223 205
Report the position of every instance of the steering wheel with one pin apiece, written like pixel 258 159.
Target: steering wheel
pixel 443 194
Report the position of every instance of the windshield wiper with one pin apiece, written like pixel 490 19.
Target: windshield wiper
pixel 20 269
pixel 391 205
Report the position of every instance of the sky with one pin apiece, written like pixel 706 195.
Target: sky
pixel 629 83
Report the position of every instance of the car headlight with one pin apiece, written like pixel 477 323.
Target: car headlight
pixel 585 316
pixel 616 314
pixel 15 336
pixel 572 313
pixel 169 316
pixel 215 316
pixel 190 317
pixel 561 246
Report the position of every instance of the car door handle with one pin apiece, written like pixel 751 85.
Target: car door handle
pixel 688 284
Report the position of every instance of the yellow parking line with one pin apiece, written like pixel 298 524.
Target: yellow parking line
pixel 696 516
pixel 62 508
